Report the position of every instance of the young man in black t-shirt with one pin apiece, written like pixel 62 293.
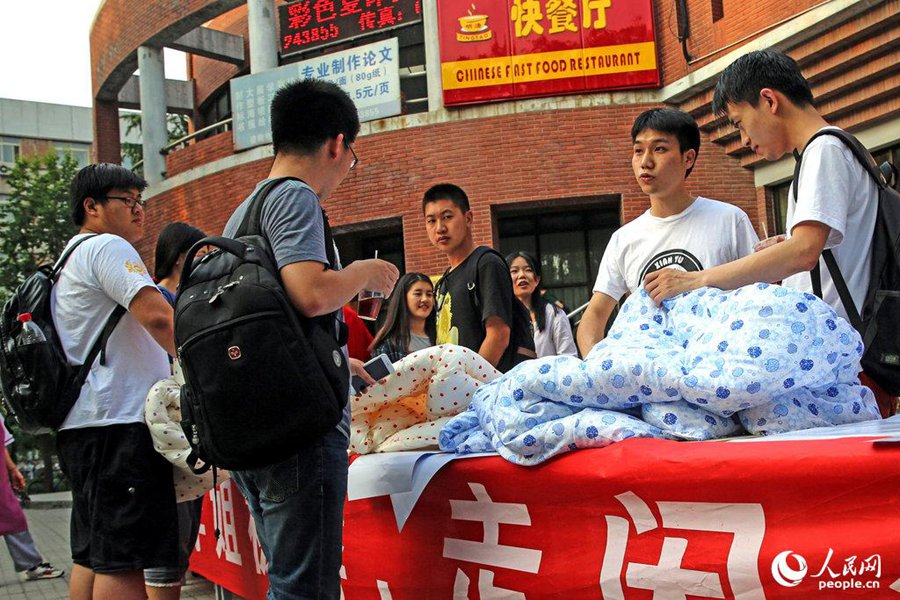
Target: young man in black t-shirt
pixel 484 328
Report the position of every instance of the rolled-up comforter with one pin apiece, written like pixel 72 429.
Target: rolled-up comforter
pixel 708 364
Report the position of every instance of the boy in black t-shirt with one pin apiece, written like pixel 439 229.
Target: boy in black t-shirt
pixel 484 328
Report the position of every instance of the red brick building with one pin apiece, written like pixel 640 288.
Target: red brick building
pixel 549 174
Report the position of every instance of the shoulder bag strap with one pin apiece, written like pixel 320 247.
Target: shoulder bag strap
pixel 61 262
pixel 343 332
pixel 251 224
pixel 816 273
pixel 472 274
pixel 99 347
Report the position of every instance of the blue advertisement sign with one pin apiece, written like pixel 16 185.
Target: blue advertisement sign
pixel 369 74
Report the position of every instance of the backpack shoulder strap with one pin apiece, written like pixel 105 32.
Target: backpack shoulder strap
pixel 252 221
pixel 472 272
pixel 865 159
pixel 329 242
pixel 61 262
pixel 251 224
pixel 860 152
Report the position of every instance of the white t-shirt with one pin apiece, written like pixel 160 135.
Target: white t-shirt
pixel 834 189
pixel 705 234
pixel 102 272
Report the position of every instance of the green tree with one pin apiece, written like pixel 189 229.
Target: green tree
pixel 35 220
pixel 35 224
pixel 176 126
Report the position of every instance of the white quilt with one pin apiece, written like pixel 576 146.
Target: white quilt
pixel 708 364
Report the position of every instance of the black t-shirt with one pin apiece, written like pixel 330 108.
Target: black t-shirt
pixel 458 319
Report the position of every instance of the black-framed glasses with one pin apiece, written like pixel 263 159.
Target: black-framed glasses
pixel 129 202
pixel 355 159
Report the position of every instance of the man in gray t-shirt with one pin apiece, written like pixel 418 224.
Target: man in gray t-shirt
pixel 298 504
pixel 292 221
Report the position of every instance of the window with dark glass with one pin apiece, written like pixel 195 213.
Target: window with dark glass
pixel 780 199
pixel 357 242
pixel 569 242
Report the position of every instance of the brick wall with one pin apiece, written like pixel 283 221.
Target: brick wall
pixel 199 153
pixel 210 75
pixel 515 159
pixel 107 147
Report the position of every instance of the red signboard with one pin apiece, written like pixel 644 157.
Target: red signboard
pixel 504 49
pixel 309 23
pixel 637 520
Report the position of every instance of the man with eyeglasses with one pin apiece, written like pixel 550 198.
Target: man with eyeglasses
pixel 298 504
pixel 123 498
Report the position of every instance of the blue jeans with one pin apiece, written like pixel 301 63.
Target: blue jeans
pixel 298 508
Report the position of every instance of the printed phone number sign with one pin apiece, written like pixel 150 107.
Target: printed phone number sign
pixel 369 74
pixel 310 23
pixel 495 50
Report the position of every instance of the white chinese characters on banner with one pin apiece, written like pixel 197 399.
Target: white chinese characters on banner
pixel 260 564
pixel 223 518
pixel 489 552
pixel 369 74
pixel 668 578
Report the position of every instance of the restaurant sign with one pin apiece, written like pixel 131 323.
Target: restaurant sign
pixel 504 49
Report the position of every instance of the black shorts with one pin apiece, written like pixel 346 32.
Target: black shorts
pixel 123 499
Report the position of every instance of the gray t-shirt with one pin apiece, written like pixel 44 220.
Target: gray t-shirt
pixel 292 223
pixel 418 342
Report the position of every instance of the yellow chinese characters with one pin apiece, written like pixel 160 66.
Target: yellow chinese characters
pixel 588 8
pixel 137 267
pixel 562 15
pixel 527 15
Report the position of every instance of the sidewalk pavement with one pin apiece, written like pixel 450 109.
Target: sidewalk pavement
pixel 48 521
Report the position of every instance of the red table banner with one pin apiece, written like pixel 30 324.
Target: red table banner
pixel 640 519
pixel 503 49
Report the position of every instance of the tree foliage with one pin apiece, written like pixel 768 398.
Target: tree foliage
pixel 35 224
pixel 35 220
pixel 176 127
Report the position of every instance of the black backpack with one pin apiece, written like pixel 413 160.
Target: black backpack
pixel 38 383
pixel 261 380
pixel 879 321
pixel 521 336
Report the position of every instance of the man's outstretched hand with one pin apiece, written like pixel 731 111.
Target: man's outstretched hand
pixel 667 283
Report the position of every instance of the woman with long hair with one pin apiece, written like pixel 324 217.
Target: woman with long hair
pixel 174 241
pixel 410 323
pixel 551 328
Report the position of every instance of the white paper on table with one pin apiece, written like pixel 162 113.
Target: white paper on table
pixel 373 475
pixel 424 470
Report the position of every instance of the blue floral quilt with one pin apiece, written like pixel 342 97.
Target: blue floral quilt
pixel 707 364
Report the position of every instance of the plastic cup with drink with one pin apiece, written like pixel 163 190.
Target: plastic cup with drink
pixel 768 240
pixel 370 302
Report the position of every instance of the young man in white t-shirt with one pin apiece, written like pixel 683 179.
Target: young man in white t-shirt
pixel 123 498
pixel 770 103
pixel 679 232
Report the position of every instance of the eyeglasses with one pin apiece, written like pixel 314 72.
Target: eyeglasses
pixel 129 202
pixel 355 159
